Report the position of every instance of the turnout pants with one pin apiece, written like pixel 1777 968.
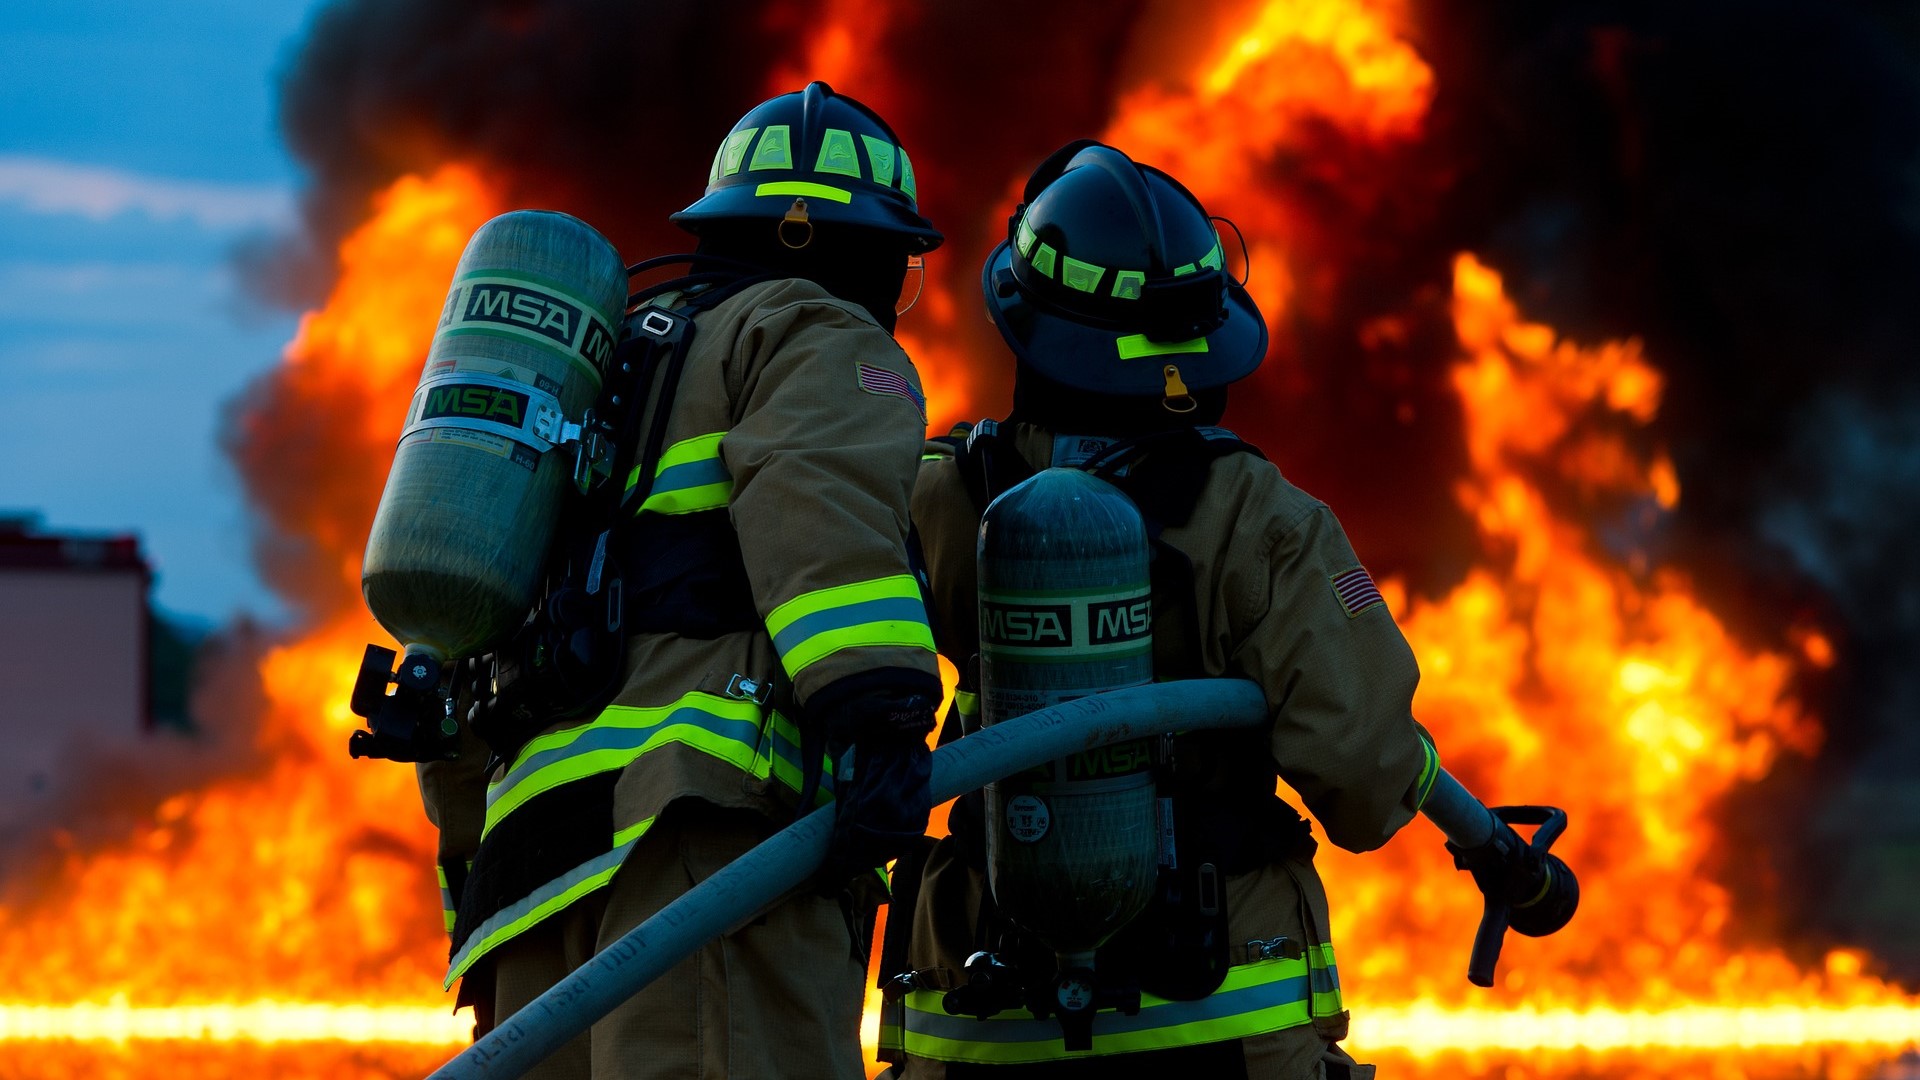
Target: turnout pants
pixel 778 997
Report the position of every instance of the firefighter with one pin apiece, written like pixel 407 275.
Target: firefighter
pixel 1126 331
pixel 777 655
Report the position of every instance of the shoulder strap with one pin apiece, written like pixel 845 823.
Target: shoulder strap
pixel 1165 472
pixel 660 335
pixel 989 463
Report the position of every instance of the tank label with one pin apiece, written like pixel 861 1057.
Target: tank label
pixel 1028 818
pixel 477 402
pixel 492 302
pixel 1066 628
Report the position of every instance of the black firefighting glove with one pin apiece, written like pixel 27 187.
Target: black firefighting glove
pixel 877 724
pixel 1503 866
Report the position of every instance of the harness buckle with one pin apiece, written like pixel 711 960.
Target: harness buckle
pixel 742 688
pixel 657 322
pixel 1281 947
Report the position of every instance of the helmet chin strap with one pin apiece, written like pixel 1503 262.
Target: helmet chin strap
pixel 914 263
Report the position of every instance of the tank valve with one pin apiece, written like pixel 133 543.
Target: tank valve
pixel 415 722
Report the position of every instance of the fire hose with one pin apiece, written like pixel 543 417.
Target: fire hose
pixel 786 859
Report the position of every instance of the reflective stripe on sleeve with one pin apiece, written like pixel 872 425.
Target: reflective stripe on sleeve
pixel 1323 977
pixel 886 611
pixel 690 477
pixel 1429 772
pixel 448 903
pixel 1266 995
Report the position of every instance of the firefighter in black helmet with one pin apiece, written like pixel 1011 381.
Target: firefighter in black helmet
pixel 1112 291
pixel 777 657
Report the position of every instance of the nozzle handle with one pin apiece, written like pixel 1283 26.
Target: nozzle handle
pixel 1526 889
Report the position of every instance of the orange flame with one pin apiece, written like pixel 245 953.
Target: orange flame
pixel 1555 674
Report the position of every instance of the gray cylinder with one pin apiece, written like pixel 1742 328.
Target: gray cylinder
pixel 459 544
pixel 1066 611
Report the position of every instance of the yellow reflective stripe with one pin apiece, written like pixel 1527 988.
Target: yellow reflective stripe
pixel 1024 237
pixel 886 611
pixel 632 832
pixel 896 587
pixel 1428 773
pixel 837 154
pixel 1043 258
pixel 880 156
pixel 447 907
pixel 1264 996
pixel 906 177
pixel 1084 276
pixel 907 635
pixel 1323 977
pixel 775 150
pixel 1135 346
pixel 803 188
pixel 543 904
pixel 690 477
pixel 733 149
pixel 621 734
pixel 1128 284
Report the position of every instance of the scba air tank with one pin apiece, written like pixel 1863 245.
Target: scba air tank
pixel 459 544
pixel 1066 611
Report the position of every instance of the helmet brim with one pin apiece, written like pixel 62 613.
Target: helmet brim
pixel 1117 361
pixel 739 202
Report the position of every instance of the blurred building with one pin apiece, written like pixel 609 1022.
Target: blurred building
pixel 75 674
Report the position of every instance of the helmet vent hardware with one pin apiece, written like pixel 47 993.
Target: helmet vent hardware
pixel 1178 398
pixel 796 224
pixel 1246 254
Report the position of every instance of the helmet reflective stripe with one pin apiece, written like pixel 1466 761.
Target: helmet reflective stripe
pixel 837 154
pixel 906 176
pixel 1210 261
pixel 802 188
pixel 775 150
pixel 1135 346
pixel 733 148
pixel 880 154
pixel 1080 275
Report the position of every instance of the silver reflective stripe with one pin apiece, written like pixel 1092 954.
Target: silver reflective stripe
pixel 1164 1014
pixel 548 900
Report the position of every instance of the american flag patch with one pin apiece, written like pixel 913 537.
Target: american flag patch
pixel 1356 591
pixel 881 381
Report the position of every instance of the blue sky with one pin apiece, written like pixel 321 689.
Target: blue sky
pixel 137 149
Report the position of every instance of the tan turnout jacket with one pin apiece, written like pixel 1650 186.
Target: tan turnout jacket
pixel 800 419
pixel 1269 564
